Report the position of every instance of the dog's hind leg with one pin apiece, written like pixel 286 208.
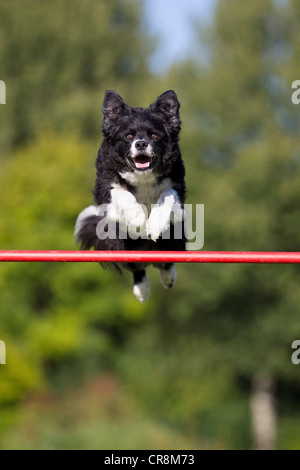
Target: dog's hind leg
pixel 141 288
pixel 168 274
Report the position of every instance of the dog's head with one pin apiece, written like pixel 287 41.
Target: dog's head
pixel 141 137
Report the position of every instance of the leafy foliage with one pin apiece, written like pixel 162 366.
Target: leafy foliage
pixel 188 357
pixel 58 59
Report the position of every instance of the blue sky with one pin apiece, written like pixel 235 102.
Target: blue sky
pixel 171 21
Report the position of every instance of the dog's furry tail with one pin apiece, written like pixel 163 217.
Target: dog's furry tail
pixel 86 235
pixel 85 228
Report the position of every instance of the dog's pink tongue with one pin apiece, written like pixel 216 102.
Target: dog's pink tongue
pixel 142 165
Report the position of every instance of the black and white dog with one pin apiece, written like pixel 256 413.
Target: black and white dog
pixel 140 182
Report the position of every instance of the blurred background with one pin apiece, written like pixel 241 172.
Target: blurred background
pixel 208 364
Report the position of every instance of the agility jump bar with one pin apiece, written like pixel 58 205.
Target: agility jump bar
pixel 151 256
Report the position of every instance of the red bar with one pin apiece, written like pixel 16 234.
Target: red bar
pixel 152 256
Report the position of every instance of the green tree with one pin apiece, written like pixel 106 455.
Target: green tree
pixel 57 58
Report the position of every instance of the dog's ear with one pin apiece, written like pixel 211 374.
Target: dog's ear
pixel 167 106
pixel 113 108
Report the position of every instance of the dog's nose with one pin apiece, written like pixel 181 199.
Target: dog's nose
pixel 141 145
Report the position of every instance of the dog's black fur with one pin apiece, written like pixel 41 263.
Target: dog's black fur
pixel 130 136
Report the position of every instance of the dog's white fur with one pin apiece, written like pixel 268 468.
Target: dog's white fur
pixel 142 290
pixel 168 277
pixel 87 212
pixel 168 209
pixel 152 208
pixel 134 152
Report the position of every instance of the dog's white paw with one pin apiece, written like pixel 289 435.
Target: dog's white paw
pixel 131 218
pixel 113 213
pixel 142 290
pixel 178 213
pixel 135 217
pixel 158 222
pixel 168 277
pixel 161 217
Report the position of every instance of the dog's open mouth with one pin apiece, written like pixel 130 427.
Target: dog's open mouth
pixel 142 162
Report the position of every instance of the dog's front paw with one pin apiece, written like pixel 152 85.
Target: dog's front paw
pixel 132 217
pixel 158 222
pixel 178 213
pixel 135 217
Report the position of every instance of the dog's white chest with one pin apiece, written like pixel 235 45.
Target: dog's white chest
pixel 147 190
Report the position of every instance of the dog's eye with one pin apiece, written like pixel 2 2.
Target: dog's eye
pixel 154 136
pixel 129 136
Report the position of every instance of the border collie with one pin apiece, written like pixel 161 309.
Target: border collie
pixel 140 183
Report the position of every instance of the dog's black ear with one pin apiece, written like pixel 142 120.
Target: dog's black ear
pixel 167 106
pixel 113 108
